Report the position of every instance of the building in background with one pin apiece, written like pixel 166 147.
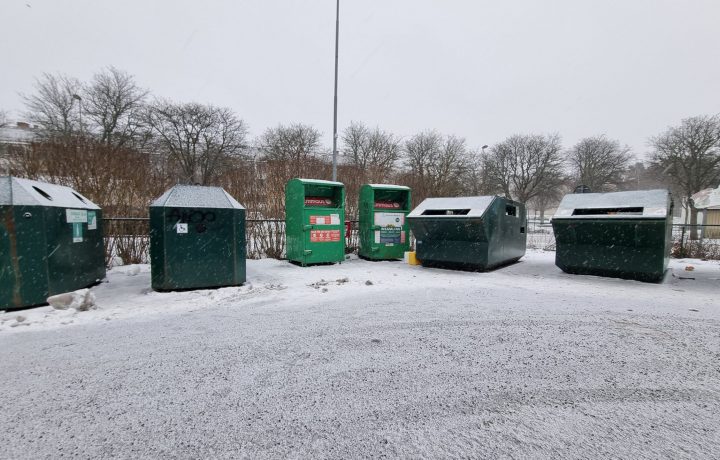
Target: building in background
pixel 707 202
pixel 17 133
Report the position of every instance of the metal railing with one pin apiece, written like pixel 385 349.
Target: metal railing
pixel 127 238
pixel 696 241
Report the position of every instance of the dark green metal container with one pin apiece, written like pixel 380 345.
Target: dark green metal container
pixel 471 233
pixel 51 241
pixel 315 221
pixel 384 232
pixel 197 239
pixel 622 234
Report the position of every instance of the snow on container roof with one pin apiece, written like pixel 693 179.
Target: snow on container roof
pixel 390 186
pixel 26 192
pixel 197 196
pixel 431 207
pixel 319 182
pixel 623 205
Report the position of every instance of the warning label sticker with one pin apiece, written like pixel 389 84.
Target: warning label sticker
pixel 324 236
pixel 332 219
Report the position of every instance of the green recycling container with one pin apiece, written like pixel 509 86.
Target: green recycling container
pixel 469 233
pixel 51 241
pixel 621 234
pixel 197 239
pixel 384 232
pixel 314 221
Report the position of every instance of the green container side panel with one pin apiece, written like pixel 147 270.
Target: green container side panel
pixel 23 267
pixel 383 224
pixel 39 257
pixel 192 248
pixel 472 243
pixel 314 222
pixel 636 249
pixel 73 263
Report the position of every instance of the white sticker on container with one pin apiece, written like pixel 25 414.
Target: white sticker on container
pixel 76 216
pixel 389 219
pixel 334 219
pixel 92 220
pixel 182 228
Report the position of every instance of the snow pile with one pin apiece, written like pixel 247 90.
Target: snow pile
pixel 81 300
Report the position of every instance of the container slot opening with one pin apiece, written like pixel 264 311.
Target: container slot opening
pixel 392 199
pixel 522 229
pixel 322 196
pixel 445 212
pixel 608 212
pixel 511 210
pixel 43 193
pixel 79 197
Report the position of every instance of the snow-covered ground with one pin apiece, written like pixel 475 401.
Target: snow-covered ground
pixel 366 359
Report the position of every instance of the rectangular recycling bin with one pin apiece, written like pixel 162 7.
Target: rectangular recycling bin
pixel 197 239
pixel 51 241
pixel 384 232
pixel 315 221
pixel 470 233
pixel 621 234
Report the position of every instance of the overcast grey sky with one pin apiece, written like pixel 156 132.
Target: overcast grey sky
pixel 478 69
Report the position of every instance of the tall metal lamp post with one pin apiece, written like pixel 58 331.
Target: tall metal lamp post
pixel 79 99
pixel 337 35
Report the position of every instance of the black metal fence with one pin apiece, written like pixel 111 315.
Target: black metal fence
pixel 696 241
pixel 127 239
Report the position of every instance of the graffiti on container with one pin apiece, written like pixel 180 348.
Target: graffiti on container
pixel 192 216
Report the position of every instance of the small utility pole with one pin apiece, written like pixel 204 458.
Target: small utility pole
pixel 337 36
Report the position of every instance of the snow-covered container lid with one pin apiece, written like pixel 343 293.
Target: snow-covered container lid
pixel 15 191
pixel 466 206
pixel 197 196
pixel 319 182
pixel 390 186
pixel 615 205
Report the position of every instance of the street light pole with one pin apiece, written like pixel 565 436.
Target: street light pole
pixel 337 35
pixel 79 99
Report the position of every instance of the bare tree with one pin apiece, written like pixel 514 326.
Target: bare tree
pixel 3 119
pixel 524 166
pixel 437 164
pixel 199 138
pixel 599 163
pixel 689 155
pixel 54 105
pixel 293 144
pixel 372 151
pixel 550 194
pixel 113 103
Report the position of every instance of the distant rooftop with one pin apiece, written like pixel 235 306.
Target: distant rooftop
pixel 707 199
pixel 18 132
